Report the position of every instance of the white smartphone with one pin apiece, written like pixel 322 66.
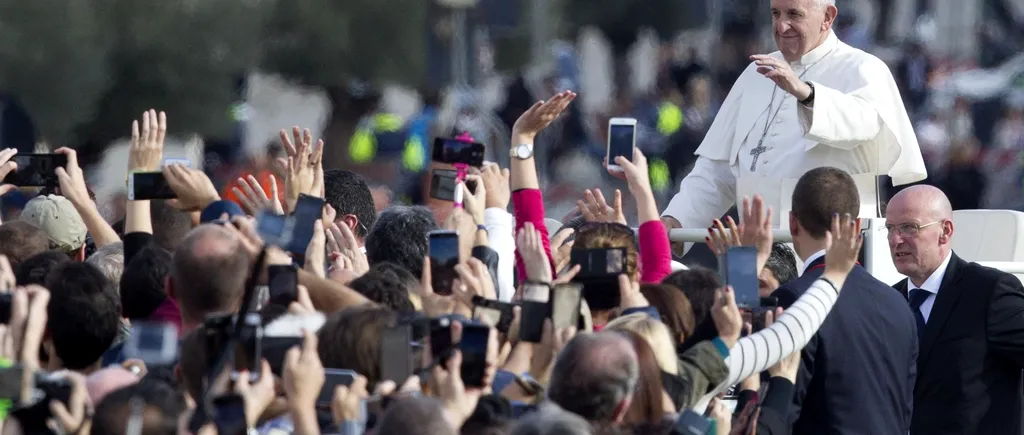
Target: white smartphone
pixel 621 140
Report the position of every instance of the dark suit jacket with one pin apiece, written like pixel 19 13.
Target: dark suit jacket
pixel 972 351
pixel 857 373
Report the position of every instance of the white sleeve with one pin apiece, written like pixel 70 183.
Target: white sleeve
pixel 704 195
pixel 790 333
pixel 502 241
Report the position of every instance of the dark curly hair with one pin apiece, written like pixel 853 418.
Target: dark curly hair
pixel 389 285
pixel 400 236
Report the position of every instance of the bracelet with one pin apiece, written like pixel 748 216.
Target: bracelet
pixel 482 228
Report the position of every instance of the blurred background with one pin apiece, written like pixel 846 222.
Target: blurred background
pixel 379 79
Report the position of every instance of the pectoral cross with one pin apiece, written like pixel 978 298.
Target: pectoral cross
pixel 756 152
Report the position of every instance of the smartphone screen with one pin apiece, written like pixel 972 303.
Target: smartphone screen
pixel 307 210
pixel 531 324
pixel 474 354
pixel 149 185
pixel 271 227
pixel 599 275
pixel 396 354
pixel 565 306
pixel 620 141
pixel 333 378
pixel 283 284
pixel 153 343
pixel 738 268
pixel 36 169
pixel 442 184
pixel 5 307
pixel 453 151
pixel 443 250
pixel 440 338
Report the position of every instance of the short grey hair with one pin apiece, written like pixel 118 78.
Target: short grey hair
pixel 550 419
pixel 110 260
pixel 593 374
pixel 826 3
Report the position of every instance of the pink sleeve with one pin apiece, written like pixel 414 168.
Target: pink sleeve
pixel 655 252
pixel 528 206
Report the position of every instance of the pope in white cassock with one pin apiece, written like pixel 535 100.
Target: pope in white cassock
pixel 815 102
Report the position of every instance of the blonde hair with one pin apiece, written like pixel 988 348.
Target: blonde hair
pixel 655 333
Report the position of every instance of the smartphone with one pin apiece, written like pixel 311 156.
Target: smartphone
pixel 492 309
pixel 599 275
pixel 229 414
pixel 307 210
pixel 334 378
pixel 565 305
pixel 5 307
pixel 149 185
pixel 172 161
pixel 216 336
pixel 454 151
pixel 443 249
pixel 272 227
pixel 396 356
pixel 738 268
pixel 440 338
pixel 282 284
pixel 621 140
pixel 692 423
pixel 10 383
pixel 248 353
pixel 486 315
pixel 443 182
pixel 152 342
pixel 273 350
pixel 531 324
pixel 473 346
pixel 36 170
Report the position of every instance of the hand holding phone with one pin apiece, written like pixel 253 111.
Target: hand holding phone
pixel 738 268
pixel 456 151
pixel 531 323
pixel 443 250
pixel 149 185
pixel 565 305
pixel 473 346
pixel 36 170
pixel 599 275
pixel 334 378
pixel 621 140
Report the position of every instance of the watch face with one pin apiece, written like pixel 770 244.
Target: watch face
pixel 522 151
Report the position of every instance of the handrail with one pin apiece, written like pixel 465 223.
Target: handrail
pixel 1014 267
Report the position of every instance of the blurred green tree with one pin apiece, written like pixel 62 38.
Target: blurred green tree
pixel 332 44
pixel 54 59
pixel 621 20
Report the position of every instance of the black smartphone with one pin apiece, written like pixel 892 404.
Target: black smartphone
pixel 283 284
pixel 738 268
pixel 36 170
pixel 692 423
pixel 334 378
pixel 396 356
pixel 248 353
pixel 565 305
pixel 215 328
pixel 441 342
pixel 599 275
pixel 473 346
pixel 454 151
pixel 499 312
pixel 229 415
pixel 443 249
pixel 307 210
pixel 531 322
pixel 273 350
pixel 442 184
pixel 10 383
pixel 5 307
pixel 149 185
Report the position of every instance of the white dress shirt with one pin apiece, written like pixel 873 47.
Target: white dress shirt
pixel 931 285
pixel 501 238
pixel 812 258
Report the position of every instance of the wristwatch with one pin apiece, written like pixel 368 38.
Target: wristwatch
pixel 522 151
pixel 810 97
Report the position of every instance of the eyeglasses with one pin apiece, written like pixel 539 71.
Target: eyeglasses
pixel 908 229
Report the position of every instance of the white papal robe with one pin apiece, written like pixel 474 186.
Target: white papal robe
pixel 857 123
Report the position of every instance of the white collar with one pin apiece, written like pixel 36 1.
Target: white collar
pixel 815 55
pixel 811 259
pixel 932 284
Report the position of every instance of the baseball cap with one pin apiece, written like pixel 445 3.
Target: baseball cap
pixel 59 219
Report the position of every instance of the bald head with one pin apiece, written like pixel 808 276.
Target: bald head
pixel 920 223
pixel 594 376
pixel 208 272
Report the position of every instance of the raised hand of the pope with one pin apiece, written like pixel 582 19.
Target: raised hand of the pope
pixel 779 71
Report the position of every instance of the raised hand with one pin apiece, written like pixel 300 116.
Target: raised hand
pixel 303 372
pixel 635 172
pixel 496 181
pixel 434 305
pixel 345 243
pixel 531 249
pixel 755 231
pixel 253 198
pixel 475 280
pixel 843 243
pixel 72 180
pixel 541 114
pixel 779 71
pixel 193 188
pixel 305 173
pixel 726 315
pixel 146 151
pixel 596 209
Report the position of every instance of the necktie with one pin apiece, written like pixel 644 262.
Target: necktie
pixel 917 297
